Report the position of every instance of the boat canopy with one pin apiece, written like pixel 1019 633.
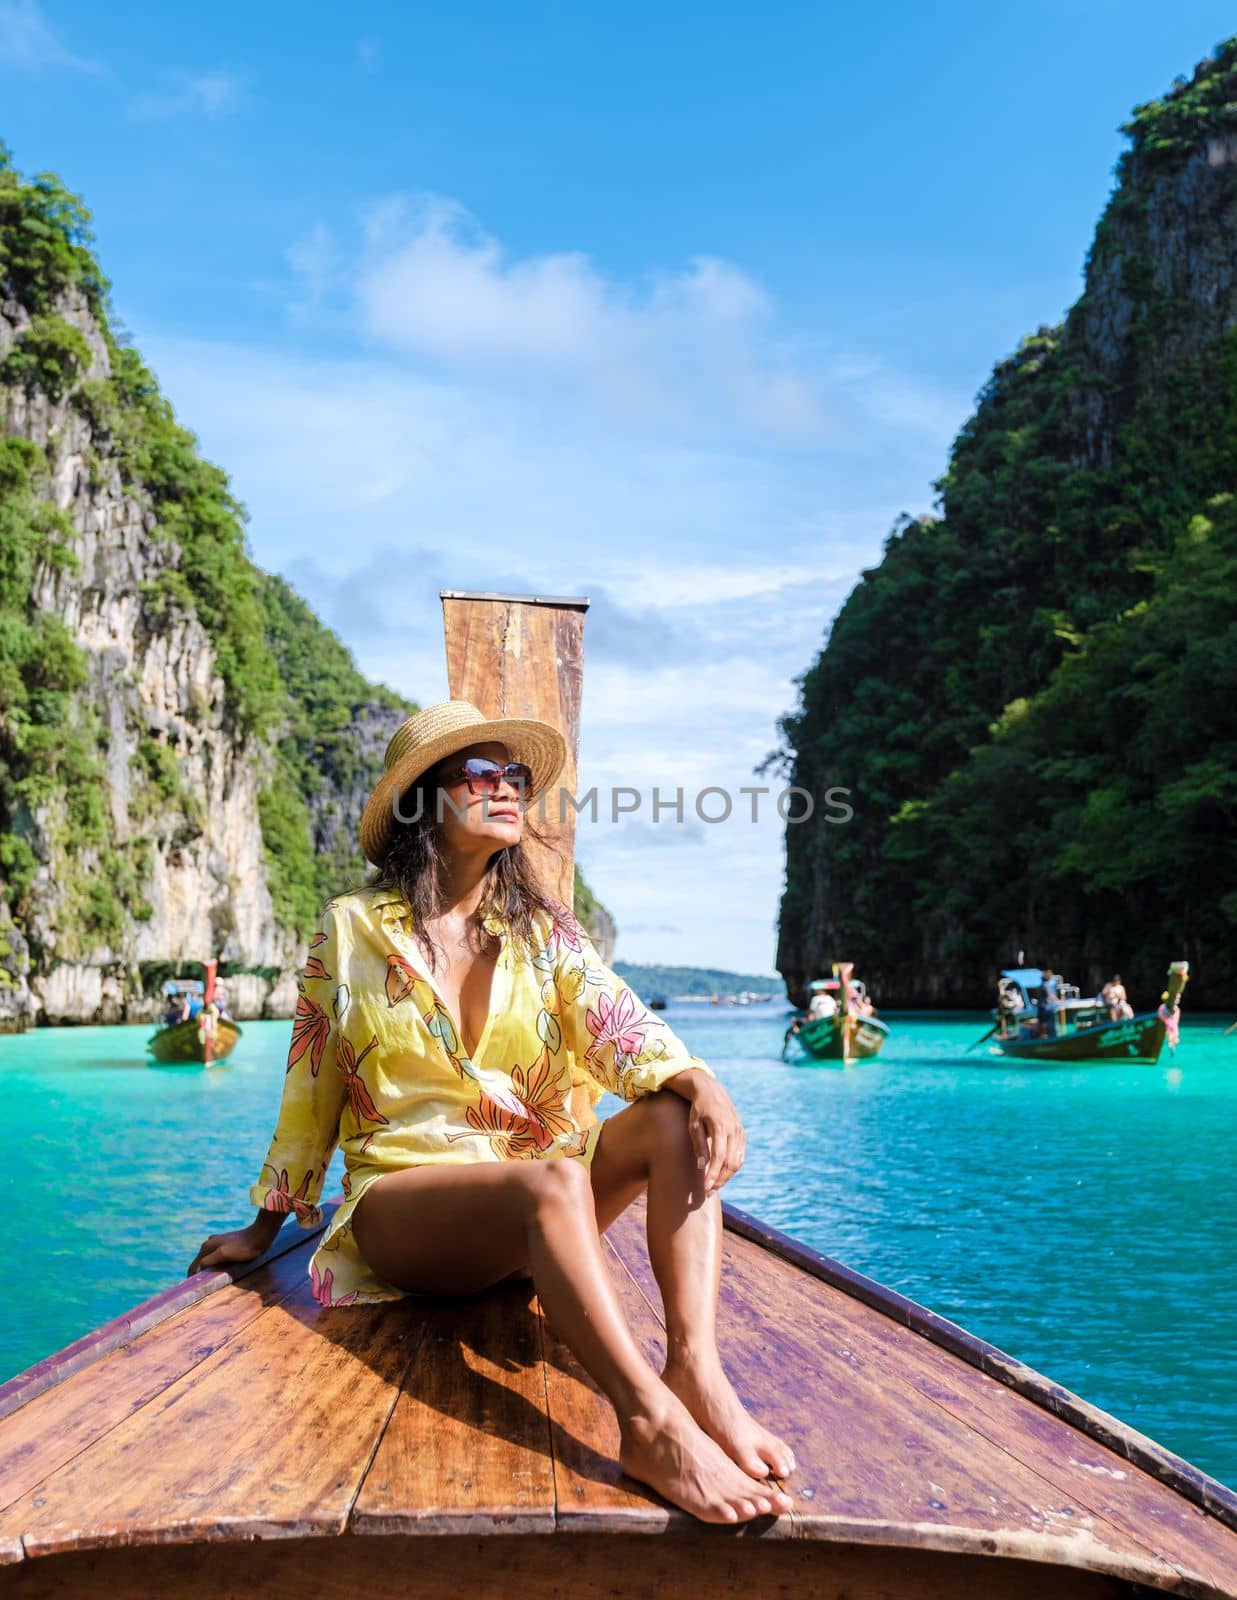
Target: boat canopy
pixel 183 986
pixel 1026 977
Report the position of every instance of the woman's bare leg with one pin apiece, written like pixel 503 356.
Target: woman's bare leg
pixel 648 1144
pixel 455 1230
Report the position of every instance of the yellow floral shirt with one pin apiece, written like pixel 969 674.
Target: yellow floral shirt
pixel 377 1065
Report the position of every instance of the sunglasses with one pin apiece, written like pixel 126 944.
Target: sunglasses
pixel 486 777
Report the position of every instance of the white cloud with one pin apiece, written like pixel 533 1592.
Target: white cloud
pixel 696 349
pixel 704 583
pixel 28 42
pixel 205 94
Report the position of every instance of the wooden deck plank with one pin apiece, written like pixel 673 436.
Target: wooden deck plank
pixel 875 1460
pixel 1151 1457
pixel 237 1446
pixel 1090 1473
pixel 124 1329
pixel 467 1448
pixel 49 1430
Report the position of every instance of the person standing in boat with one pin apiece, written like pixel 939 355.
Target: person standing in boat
pixel 440 1015
pixel 1046 1005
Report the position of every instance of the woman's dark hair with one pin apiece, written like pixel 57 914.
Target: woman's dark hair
pixel 411 868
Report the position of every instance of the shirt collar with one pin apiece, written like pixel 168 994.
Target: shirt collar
pixel 396 914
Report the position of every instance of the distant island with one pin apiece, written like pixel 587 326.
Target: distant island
pixel 678 982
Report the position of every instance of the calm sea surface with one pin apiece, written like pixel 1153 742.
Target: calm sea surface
pixel 1081 1219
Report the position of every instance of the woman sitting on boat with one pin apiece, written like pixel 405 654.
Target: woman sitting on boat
pixel 439 1014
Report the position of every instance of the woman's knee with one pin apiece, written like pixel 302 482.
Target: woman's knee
pixel 651 1129
pixel 666 1115
pixel 559 1183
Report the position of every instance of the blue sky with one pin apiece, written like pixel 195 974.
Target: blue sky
pixel 677 307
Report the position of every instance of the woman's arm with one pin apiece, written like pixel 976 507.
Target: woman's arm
pixel 307 1130
pixel 631 1051
pixel 624 1046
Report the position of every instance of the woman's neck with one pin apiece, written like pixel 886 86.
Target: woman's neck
pixel 463 883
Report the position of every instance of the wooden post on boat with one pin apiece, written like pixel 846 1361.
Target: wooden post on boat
pixel 842 971
pixel 522 655
pixel 518 655
pixel 205 1024
pixel 1178 977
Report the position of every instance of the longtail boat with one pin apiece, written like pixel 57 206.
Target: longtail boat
pixel 1083 1029
pixel 232 1436
pixel 851 1033
pixel 199 1039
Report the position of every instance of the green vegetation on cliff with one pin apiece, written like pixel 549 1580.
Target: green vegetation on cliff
pixel 1033 696
pixel 318 752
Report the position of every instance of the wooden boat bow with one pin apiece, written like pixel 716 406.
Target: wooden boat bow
pixel 233 1432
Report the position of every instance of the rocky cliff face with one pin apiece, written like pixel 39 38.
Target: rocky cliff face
pixel 1033 698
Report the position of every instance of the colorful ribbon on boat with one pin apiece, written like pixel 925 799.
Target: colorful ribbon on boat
pixel 1172 1023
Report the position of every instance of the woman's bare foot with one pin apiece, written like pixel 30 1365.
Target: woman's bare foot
pixel 707 1393
pixel 675 1457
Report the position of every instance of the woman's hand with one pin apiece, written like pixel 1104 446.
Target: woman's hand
pixel 226 1249
pixel 713 1125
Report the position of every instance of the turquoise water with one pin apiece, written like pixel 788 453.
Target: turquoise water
pixel 1081 1219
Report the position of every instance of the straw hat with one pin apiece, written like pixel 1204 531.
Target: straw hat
pixel 439 731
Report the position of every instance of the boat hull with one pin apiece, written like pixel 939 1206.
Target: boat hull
pixel 181 1044
pixel 842 1038
pixel 1137 1039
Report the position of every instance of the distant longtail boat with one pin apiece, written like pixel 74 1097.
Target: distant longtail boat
pixel 1083 1029
pixel 201 1038
pixel 848 1035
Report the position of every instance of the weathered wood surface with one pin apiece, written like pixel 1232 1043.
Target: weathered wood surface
pixel 253 1414
pixel 467 1448
pixel 523 656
